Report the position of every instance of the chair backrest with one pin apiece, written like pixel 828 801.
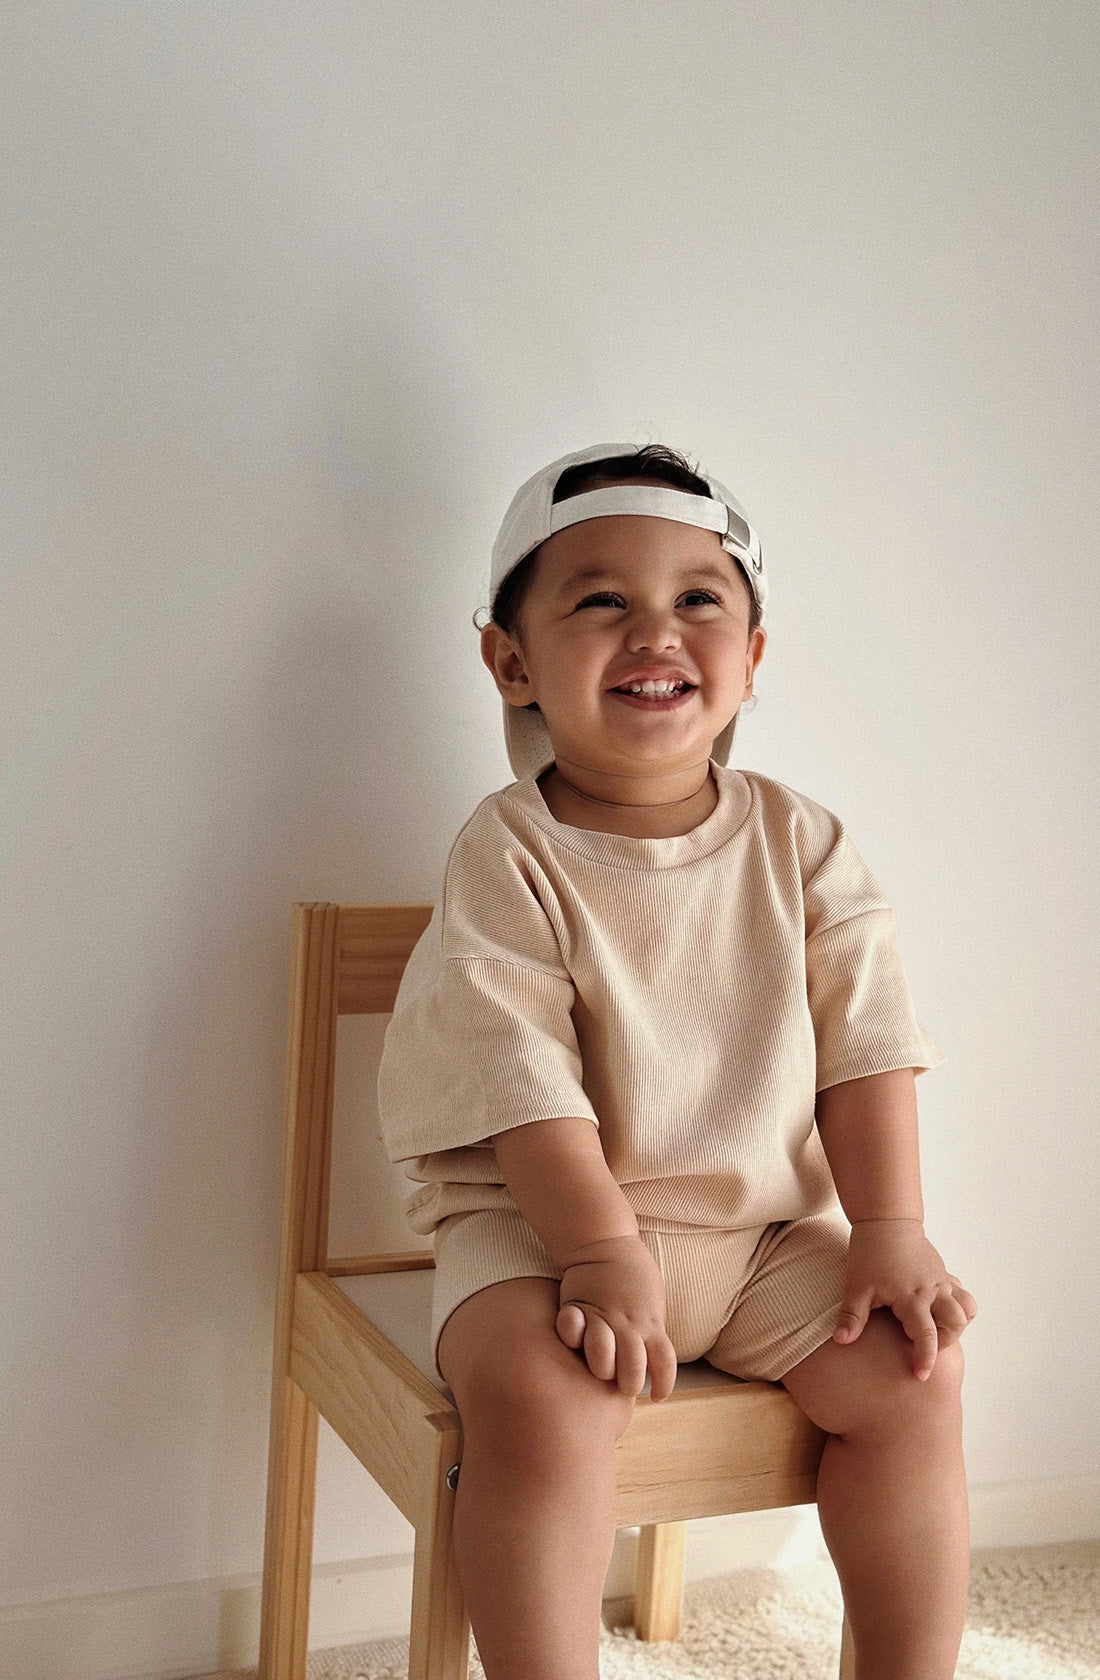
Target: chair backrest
pixel 345 959
pixel 373 944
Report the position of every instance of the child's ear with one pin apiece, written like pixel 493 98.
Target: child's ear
pixel 754 653
pixel 504 658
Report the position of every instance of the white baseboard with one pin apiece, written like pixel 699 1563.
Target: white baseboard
pixel 198 1627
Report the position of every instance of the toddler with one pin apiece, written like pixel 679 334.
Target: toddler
pixel 652 1065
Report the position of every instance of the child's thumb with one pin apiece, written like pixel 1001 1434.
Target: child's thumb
pixel 853 1316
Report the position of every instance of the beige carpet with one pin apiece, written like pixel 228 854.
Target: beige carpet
pixel 1034 1615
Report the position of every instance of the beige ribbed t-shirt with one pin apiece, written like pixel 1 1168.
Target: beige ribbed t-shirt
pixel 688 995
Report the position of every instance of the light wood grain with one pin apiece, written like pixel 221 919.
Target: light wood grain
pixel 377 1401
pixel 375 941
pixel 303 1237
pixel 362 1265
pixel 659 1581
pixel 439 1636
pixel 708 1452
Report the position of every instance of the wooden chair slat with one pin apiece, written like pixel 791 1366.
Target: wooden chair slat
pixel 375 942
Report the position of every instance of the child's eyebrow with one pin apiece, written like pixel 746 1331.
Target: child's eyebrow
pixel 592 573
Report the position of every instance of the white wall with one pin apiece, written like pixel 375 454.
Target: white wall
pixel 296 295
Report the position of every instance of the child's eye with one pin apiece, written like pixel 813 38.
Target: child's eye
pixel 610 595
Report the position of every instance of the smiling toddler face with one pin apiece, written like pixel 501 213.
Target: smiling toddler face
pixel 630 596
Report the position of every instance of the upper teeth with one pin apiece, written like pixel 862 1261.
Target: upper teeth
pixel 663 687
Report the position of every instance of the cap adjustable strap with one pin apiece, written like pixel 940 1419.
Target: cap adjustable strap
pixel 662 502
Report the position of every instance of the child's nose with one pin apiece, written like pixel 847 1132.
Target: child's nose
pixel 653 627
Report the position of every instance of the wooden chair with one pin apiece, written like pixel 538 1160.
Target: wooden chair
pixel 352 1345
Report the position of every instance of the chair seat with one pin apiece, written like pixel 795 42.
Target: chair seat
pixel 400 1304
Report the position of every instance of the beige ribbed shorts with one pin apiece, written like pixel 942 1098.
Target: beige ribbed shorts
pixel 751 1302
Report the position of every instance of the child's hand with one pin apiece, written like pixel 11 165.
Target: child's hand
pixel 892 1264
pixel 613 1300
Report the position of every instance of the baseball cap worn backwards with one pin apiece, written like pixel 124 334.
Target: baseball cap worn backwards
pixel 533 515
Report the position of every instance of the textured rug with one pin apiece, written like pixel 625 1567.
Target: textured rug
pixel 1034 1614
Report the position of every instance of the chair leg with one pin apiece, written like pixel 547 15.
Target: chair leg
pixel 439 1639
pixel 288 1542
pixel 847 1651
pixel 659 1581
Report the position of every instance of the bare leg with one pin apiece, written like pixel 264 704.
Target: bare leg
pixel 534 1517
pixel 892 1497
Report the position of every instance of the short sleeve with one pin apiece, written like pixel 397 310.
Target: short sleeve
pixel 482 1036
pixel 863 1015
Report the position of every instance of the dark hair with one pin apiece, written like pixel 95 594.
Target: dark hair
pixel 652 461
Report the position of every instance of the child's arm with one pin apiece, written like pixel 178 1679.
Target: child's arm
pixel 868 1128
pixel 612 1293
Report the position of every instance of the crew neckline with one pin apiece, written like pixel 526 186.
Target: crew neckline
pixel 736 797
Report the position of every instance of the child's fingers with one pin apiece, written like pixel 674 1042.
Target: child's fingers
pixel 950 1314
pixel 963 1297
pixel 571 1324
pixel 599 1347
pixel 953 1313
pixel 919 1325
pixel 623 1359
pixel 630 1363
pixel 662 1367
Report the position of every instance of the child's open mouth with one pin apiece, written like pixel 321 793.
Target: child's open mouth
pixel 661 699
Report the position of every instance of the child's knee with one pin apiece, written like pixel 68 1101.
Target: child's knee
pixel 868 1386
pixel 514 1380
pixel 894 1399
pixel 947 1375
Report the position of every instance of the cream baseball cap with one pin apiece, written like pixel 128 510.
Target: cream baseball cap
pixel 533 515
